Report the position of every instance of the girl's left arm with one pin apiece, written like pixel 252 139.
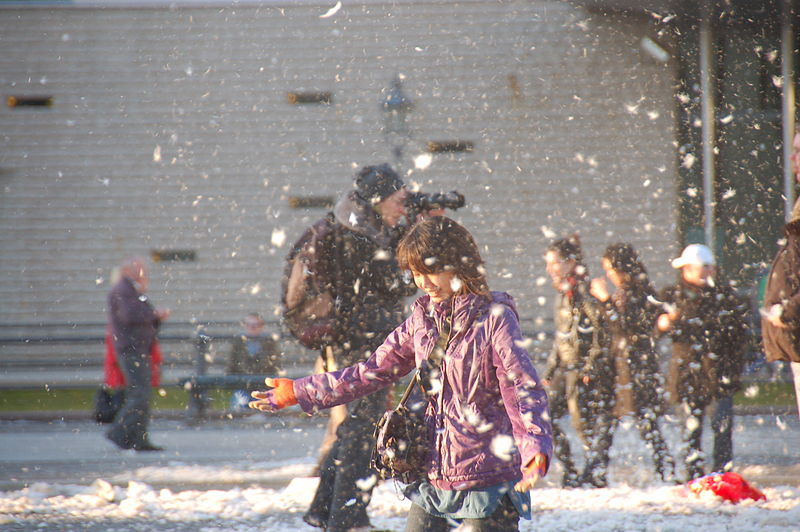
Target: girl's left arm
pixel 524 397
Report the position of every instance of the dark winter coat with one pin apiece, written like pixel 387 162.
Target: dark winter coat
pixel 709 341
pixel 133 321
pixel 265 361
pixel 493 414
pixel 364 277
pixel 783 288
pixel 630 316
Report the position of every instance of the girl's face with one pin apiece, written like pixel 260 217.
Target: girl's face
pixel 439 286
pixel 616 278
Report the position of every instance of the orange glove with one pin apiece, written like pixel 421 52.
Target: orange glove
pixel 530 473
pixel 281 396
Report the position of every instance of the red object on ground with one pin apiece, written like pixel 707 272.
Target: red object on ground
pixel 730 486
pixel 113 375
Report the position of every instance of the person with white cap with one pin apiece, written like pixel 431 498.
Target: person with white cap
pixel 707 322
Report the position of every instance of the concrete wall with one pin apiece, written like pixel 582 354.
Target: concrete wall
pixel 170 129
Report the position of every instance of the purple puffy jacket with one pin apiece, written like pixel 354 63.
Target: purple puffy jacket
pixel 494 416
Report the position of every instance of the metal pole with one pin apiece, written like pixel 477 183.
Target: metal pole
pixel 709 123
pixel 789 109
pixel 198 397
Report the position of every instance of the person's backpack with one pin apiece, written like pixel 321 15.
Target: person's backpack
pixel 308 304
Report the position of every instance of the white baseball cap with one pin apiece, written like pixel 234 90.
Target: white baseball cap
pixel 694 254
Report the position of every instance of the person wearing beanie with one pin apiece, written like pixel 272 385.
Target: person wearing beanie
pixel 708 324
pixel 374 184
pixel 368 288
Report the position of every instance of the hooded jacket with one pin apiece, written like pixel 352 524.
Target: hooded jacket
pixel 491 416
pixel 363 274
pixel 783 288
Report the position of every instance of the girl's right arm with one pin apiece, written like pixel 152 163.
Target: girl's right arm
pixel 390 362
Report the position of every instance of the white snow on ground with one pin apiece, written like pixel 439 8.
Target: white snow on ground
pixel 175 495
pixel 620 508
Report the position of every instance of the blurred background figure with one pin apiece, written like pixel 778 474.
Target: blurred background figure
pixel 253 352
pixel 708 325
pixel 134 324
pixel 780 323
pixel 577 377
pixel 631 315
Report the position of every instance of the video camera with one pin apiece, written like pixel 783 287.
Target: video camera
pixel 418 202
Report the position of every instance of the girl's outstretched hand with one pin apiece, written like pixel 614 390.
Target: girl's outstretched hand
pixel 281 396
pixel 530 474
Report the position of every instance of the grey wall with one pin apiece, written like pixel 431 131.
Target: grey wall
pixel 572 125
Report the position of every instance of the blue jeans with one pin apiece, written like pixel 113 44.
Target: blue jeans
pixel 504 519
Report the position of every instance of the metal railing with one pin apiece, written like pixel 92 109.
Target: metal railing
pixel 38 347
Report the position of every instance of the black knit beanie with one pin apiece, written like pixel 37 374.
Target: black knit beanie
pixel 375 183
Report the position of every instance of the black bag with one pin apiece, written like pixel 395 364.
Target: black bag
pixel 401 441
pixel 107 403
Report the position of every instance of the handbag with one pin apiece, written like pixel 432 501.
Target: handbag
pixel 401 444
pixel 401 440
pixel 107 403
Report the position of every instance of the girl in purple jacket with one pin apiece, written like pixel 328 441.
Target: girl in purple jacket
pixel 488 423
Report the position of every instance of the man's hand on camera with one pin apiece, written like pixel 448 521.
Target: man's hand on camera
pixel 429 214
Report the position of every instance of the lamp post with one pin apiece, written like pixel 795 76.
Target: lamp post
pixel 396 106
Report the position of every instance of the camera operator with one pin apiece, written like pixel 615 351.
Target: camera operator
pixel 368 288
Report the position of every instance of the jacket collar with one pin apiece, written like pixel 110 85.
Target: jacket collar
pixel 360 217
pixel 792 228
pixel 466 309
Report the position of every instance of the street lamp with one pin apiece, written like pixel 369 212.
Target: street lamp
pixel 396 106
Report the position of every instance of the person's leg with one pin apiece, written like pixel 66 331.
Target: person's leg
pixel 335 417
pixel 576 407
pixel 693 458
pixel 796 373
pixel 561 448
pixel 504 519
pixel 419 520
pixel 602 423
pixel 722 425
pixel 348 467
pixel 647 421
pixel 129 428
pixel 327 362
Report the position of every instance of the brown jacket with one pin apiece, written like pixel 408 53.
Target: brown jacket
pixel 709 341
pixel 783 288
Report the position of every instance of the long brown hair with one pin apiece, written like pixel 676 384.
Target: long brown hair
pixel 439 244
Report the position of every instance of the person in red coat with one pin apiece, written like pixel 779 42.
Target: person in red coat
pixel 113 377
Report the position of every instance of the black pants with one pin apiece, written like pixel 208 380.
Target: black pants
pixel 721 424
pixel 600 419
pixel 564 397
pixel 504 519
pixel 345 485
pixel 129 428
